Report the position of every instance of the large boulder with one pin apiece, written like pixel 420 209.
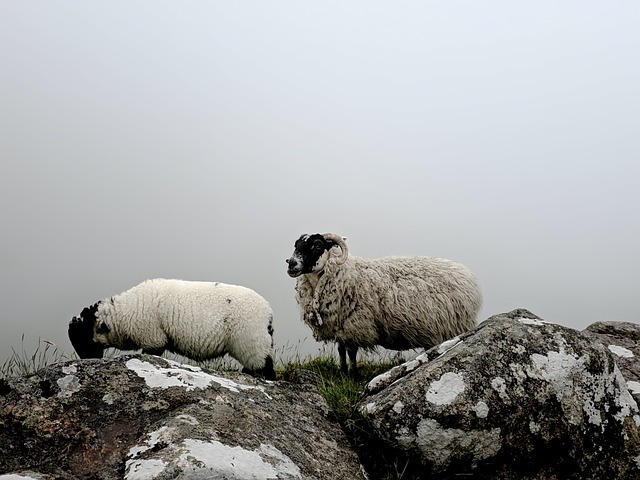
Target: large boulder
pixel 144 417
pixel 623 340
pixel 517 397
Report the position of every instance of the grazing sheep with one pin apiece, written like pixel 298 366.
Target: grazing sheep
pixel 200 320
pixel 395 302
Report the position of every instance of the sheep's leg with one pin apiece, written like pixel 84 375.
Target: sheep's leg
pixel 352 367
pixel 267 371
pixel 353 364
pixel 342 352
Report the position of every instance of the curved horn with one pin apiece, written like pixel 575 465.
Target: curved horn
pixel 341 243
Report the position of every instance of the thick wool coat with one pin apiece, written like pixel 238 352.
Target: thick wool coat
pixel 395 302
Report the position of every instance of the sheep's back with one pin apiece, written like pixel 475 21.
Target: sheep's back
pixel 199 318
pixel 410 301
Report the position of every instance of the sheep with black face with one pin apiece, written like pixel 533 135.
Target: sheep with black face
pixel 199 320
pixel 395 302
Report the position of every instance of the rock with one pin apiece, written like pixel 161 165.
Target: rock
pixel 28 475
pixel 623 340
pixel 144 417
pixel 517 397
pixel 304 375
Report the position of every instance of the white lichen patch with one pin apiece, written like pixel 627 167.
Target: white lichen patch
pixel 559 369
pixel 108 398
pixel 518 349
pixel 398 407
pixel 283 464
pixel 368 408
pixel 162 435
pixel 583 395
pixel 445 390
pixel 144 469
pixel 68 386
pixel 620 351
pixel 267 462
pixel 422 358
pixel 447 345
pixel 396 372
pixel 190 419
pixel 69 369
pixel 624 400
pixel 442 446
pixel 500 386
pixel 534 427
pixel 593 413
pixel 634 387
pixel 518 372
pixel 481 409
pixel 566 374
pixel 14 476
pixel 411 365
pixel 186 376
pixel 381 379
pixel 530 321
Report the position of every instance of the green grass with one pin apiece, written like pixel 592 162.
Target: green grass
pixel 341 392
pixel 20 363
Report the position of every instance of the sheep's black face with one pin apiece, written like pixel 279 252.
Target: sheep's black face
pixel 309 255
pixel 81 334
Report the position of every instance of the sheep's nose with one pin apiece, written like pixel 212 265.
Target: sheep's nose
pixel 292 264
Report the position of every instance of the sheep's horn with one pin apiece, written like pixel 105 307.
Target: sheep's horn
pixel 341 243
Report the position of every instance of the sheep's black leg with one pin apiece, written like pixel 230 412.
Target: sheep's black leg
pixel 342 352
pixel 268 370
pixel 353 364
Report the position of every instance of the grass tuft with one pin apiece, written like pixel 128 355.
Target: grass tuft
pixel 20 364
pixel 342 393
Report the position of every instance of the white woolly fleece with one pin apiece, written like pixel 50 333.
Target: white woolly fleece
pixel 200 320
pixel 395 302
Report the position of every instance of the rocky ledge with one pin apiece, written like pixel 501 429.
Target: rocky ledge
pixel 517 397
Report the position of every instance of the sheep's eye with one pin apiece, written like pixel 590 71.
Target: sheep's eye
pixel 318 246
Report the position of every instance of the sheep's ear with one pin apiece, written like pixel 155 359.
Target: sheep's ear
pixel 102 328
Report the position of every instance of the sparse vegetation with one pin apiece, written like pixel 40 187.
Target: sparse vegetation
pixel 342 392
pixel 22 363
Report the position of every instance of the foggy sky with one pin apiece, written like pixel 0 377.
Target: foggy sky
pixel 198 140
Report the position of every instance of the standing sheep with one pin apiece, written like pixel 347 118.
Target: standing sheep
pixel 395 302
pixel 199 320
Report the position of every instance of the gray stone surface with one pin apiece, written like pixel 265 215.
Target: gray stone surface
pixel 623 341
pixel 143 417
pixel 517 397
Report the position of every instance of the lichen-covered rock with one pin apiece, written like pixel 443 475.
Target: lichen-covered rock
pixel 28 475
pixel 515 398
pixel 144 417
pixel 623 340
